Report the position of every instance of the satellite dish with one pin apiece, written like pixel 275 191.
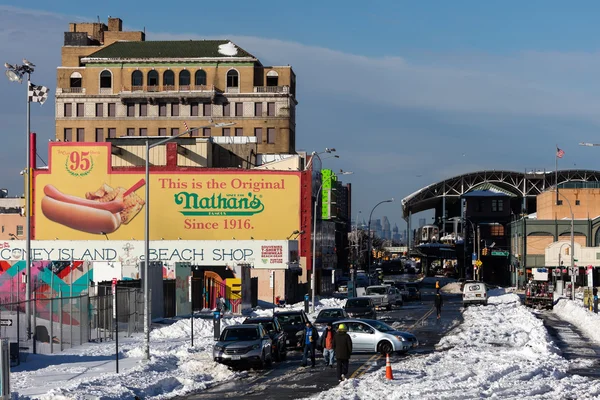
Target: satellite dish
pixel 13 76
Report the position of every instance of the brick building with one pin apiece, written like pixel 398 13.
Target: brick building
pixel 114 83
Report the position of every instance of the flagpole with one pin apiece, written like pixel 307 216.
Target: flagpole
pixel 556 172
pixel 28 214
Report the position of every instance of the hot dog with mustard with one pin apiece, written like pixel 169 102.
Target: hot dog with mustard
pixel 81 218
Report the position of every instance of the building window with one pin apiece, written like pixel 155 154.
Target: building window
pixel 559 203
pixel 175 109
pixel 80 110
pixel 206 132
pixel 99 135
pixel 239 131
pixel 68 135
pixel 152 78
pixel 226 110
pixel 207 109
pixel 184 78
pixel 200 78
pixel 597 256
pixel 239 109
pixel 162 110
pixel 169 80
pixel 194 109
pixel 112 133
pixel 258 134
pixel 99 110
pixel 270 109
pixel 174 131
pixel 143 131
pixel 272 78
pixel 497 205
pixel 130 131
pixel 233 79
pixel 67 109
pixel 80 135
pixel 497 230
pixel 137 80
pixel 112 109
pixel 143 110
pixel 162 131
pixel 75 81
pixel 577 202
pixel 226 132
pixel 19 230
pixel 270 135
pixel 131 110
pixel 105 80
pixel 258 109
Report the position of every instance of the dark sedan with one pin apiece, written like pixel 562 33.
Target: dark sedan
pixel 292 322
pixel 414 293
pixel 360 307
pixel 328 315
pixel 276 333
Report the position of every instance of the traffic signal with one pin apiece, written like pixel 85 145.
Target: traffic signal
pixel 484 251
pixel 380 276
pixel 374 252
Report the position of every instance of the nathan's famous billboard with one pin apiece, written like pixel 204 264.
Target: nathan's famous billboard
pixel 80 197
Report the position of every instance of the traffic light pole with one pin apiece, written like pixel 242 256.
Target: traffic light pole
pixel 478 252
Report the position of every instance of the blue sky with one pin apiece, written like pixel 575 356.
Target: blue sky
pixel 401 89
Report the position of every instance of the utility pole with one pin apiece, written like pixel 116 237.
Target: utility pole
pixel 478 252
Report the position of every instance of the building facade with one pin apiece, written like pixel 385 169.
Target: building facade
pixel 113 83
pixel 12 218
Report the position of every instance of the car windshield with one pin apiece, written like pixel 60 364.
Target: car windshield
pixel 357 303
pixel 268 325
pixel 239 334
pixel 377 290
pixel 412 289
pixel 330 314
pixel 293 319
pixel 380 326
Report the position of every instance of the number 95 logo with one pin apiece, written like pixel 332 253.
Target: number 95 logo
pixel 79 163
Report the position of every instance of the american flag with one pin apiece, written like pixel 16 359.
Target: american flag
pixel 559 153
pixel 187 128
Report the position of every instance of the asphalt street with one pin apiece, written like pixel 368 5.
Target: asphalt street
pixel 287 380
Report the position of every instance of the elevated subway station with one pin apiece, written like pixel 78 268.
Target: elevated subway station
pixel 480 205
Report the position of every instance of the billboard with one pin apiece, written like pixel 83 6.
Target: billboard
pixel 329 179
pixel 81 197
pixel 268 254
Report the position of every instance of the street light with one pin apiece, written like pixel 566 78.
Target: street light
pixel 147 227
pixel 572 245
pixel 15 73
pixel 369 231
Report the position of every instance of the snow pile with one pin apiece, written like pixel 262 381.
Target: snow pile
pixel 175 368
pixel 452 288
pixel 228 49
pixel 501 351
pixel 330 302
pixel 575 313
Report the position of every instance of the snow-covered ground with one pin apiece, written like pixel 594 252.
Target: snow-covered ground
pixel 175 367
pixel 575 313
pixel 500 351
pixel 329 302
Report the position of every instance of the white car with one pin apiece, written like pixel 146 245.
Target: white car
pixel 384 296
pixel 475 293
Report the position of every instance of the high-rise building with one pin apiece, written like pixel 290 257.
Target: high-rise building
pixel 113 83
pixel 396 237
pixel 377 228
pixel 387 232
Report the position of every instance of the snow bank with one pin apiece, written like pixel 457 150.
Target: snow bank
pixel 500 351
pixel 330 302
pixel 175 368
pixel 575 313
pixel 453 288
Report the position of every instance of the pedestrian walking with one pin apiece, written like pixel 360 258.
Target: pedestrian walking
pixel 327 345
pixel 342 345
pixel 438 301
pixel 309 339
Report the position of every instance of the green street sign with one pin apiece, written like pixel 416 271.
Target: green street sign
pixel 500 253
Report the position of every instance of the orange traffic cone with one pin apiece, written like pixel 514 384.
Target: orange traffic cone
pixel 388 368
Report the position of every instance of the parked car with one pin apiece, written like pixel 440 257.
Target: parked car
pixel 374 336
pixel 327 315
pixel 360 307
pixel 403 290
pixel 292 323
pixel 384 296
pixel 276 332
pixel 414 293
pixel 244 344
pixel 475 293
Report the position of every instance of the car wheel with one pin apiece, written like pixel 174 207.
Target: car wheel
pixel 269 360
pixel 283 355
pixel 278 354
pixel 385 347
pixel 261 363
pixel 388 307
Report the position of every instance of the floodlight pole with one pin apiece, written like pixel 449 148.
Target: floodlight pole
pixel 28 213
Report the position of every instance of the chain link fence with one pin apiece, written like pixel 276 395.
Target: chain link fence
pixel 63 322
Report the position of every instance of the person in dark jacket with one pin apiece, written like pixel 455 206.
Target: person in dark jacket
pixel 326 343
pixel 342 345
pixel 438 301
pixel 309 339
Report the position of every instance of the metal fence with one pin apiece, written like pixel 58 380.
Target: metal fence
pixel 63 322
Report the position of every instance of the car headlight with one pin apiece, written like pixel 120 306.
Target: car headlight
pixel 402 338
pixel 217 347
pixel 256 346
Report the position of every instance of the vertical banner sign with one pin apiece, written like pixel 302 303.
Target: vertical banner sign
pixel 114 292
pixel 271 279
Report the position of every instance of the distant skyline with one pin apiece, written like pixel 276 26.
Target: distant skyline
pixel 408 93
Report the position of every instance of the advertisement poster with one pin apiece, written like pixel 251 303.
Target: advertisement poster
pixel 80 197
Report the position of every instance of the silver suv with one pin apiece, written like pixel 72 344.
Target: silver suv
pixel 244 344
pixel 370 336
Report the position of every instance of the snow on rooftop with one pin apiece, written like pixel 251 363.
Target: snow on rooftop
pixel 228 49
